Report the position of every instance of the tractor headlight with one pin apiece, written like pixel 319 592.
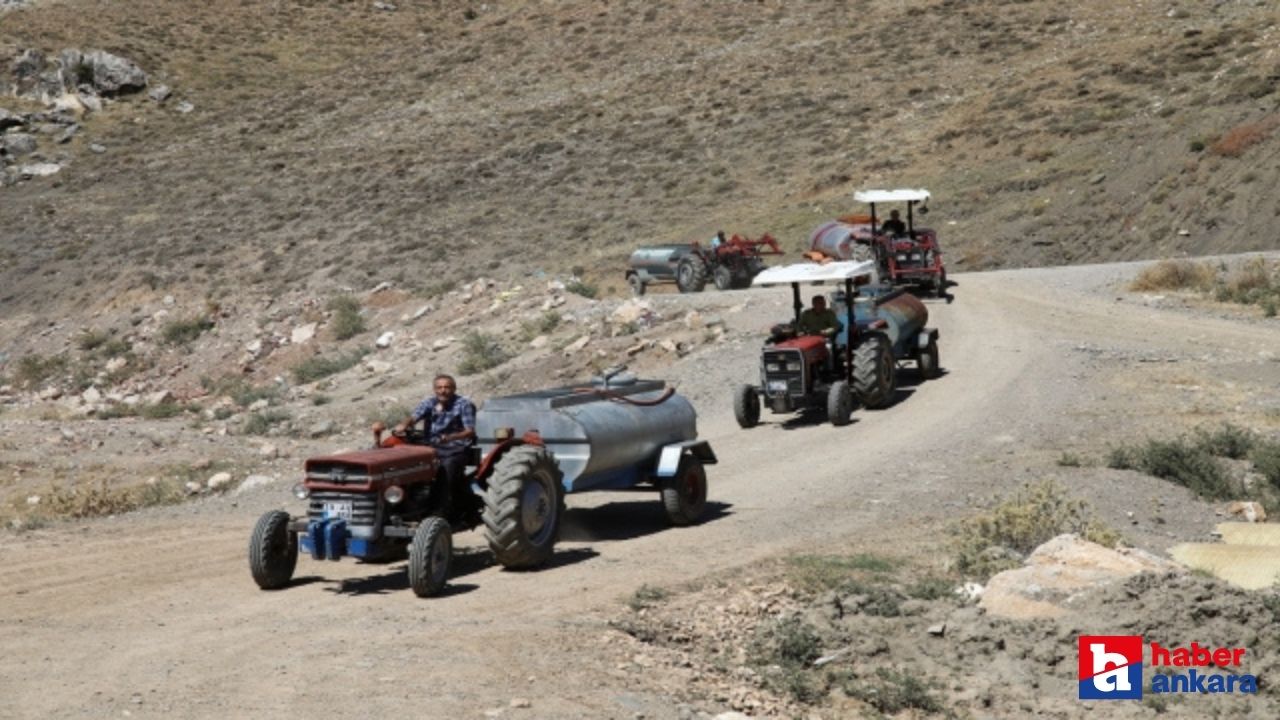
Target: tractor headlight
pixel 772 367
pixel 393 494
pixel 902 257
pixel 915 256
pixel 302 492
pixel 794 366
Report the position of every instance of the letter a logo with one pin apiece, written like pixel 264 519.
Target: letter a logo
pixel 1110 667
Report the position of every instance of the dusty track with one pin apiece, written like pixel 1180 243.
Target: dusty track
pixel 155 615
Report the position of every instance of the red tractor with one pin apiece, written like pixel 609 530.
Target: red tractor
pixel 730 262
pixel 906 255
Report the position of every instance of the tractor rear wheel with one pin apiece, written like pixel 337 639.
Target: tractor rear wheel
pixel 637 285
pixel 523 507
pixel 746 406
pixel 684 496
pixel 273 551
pixel 928 361
pixel 874 372
pixel 839 403
pixel 691 275
pixel 429 556
pixel 723 277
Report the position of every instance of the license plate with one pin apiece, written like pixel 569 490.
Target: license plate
pixel 777 386
pixel 338 510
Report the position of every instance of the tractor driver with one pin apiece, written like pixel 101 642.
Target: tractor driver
pixel 819 319
pixel 894 226
pixel 718 240
pixel 451 430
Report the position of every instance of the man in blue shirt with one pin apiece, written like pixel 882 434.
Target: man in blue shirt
pixel 450 429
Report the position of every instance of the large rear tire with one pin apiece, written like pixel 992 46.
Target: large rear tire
pixel 875 374
pixel 839 403
pixel 746 406
pixel 723 277
pixel 684 496
pixel 429 556
pixel 523 507
pixel 691 275
pixel 929 362
pixel 273 551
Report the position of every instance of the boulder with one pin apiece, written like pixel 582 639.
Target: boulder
pixel 577 346
pixel 109 74
pixel 1247 511
pixel 1059 572
pixel 218 481
pixel 384 340
pixel 91 396
pixel 39 170
pixel 322 428
pixel 302 333
pixel 254 481
pixel 631 311
pixel 160 93
pixel 18 144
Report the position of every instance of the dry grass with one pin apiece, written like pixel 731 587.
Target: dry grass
pixel 1175 275
pixel 1237 140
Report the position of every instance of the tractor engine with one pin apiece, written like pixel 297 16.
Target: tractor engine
pixel 788 369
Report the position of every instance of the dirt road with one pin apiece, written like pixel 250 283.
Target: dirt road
pixel 154 615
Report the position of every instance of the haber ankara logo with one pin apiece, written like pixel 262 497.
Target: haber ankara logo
pixel 1110 667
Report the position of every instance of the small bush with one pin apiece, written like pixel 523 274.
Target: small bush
pixel 646 596
pixel 788 642
pixel 318 367
pixel 100 499
pixel 347 321
pixel 1229 441
pixel 1181 462
pixel 818 573
pixel 1174 275
pixel 181 332
pixel 92 339
pixel 893 691
pixel 579 287
pixel 1067 459
pixel 480 352
pixel 542 325
pixel 241 391
pixel 35 369
pixel 1266 460
pixel 994 541
pixel 261 423
pixel 1242 137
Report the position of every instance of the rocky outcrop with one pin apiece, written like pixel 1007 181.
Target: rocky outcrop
pixel 36 76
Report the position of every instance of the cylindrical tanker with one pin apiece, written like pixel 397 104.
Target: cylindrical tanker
pixel 658 259
pixel 840 240
pixel 600 437
pixel 903 314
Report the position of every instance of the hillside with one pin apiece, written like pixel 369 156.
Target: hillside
pixel 332 143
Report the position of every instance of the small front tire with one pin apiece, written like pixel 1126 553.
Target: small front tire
pixel 929 362
pixel 746 406
pixel 430 555
pixel 273 551
pixel 723 278
pixel 840 404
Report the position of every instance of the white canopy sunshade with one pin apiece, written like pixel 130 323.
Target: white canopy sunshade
pixel 810 273
pixel 883 196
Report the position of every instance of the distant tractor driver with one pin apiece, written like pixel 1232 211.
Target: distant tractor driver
pixel 894 225
pixel 819 319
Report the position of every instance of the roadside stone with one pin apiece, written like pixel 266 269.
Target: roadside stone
pixel 160 93
pixel 693 320
pixel 938 630
pixel 159 396
pixel 192 487
pixel 268 451
pixel 539 342
pixel 18 144
pixel 50 393
pixel 302 333
pixel 115 363
pixel 521 703
pixel 33 499
pixel 384 340
pixel 91 396
pixel 322 428
pixel 254 481
pixel 577 345
pixel 218 481
pixel 185 107
pixel 379 366
pixel 259 405
pixel 442 343
pixel 67 134
pixel 669 346
pixel 111 74
pixel 97 149
pixel 1248 511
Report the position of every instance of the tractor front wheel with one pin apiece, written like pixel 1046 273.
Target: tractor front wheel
pixel 928 361
pixel 940 284
pixel 523 506
pixel 691 275
pixel 273 551
pixel 684 495
pixel 874 372
pixel 637 285
pixel 746 406
pixel 429 556
pixel 839 403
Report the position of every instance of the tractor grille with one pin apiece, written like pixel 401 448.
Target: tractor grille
pixel 783 366
pixel 364 506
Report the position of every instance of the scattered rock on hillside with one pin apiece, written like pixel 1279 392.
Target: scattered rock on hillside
pixel 107 74
pixel 160 93
pixel 18 144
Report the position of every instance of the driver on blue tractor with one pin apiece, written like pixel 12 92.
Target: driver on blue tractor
pixel 819 319
pixel 450 429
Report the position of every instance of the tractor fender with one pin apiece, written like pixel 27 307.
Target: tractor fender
pixel 926 336
pixel 669 458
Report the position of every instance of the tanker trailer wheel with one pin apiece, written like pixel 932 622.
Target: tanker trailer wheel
pixel 684 495
pixel 874 372
pixel 523 506
pixel 746 406
pixel 637 285
pixel 839 403
pixel 429 556
pixel 723 277
pixel 273 551
pixel 691 275
pixel 929 362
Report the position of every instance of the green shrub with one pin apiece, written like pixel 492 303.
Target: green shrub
pixel 789 641
pixel 1181 462
pixel 579 287
pixel 996 540
pixel 818 573
pixel 646 596
pixel 181 332
pixel 347 321
pixel 1266 460
pixel 319 366
pixel 100 499
pixel 34 369
pixel 480 352
pixel 542 325
pixel 893 691
pixel 91 339
pixel 260 423
pixel 1229 441
pixel 241 391
pixel 1174 275
pixel 1067 459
